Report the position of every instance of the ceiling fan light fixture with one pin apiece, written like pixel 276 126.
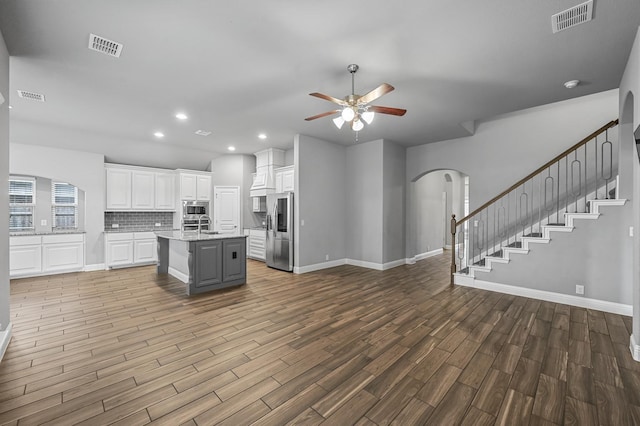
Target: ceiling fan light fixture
pixel 338 121
pixel 348 114
pixel 357 125
pixel 368 116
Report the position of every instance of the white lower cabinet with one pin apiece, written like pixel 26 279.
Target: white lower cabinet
pixel 130 248
pixel 62 253
pixel 257 244
pixel 25 256
pixel 39 255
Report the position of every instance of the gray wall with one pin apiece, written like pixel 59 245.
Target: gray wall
pixel 236 170
pixel 320 173
pixel 507 148
pixel 82 169
pixel 592 255
pixel 364 183
pixel 629 105
pixel 430 224
pixel 394 201
pixel 4 193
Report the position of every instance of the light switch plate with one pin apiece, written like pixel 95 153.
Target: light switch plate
pixel 43 222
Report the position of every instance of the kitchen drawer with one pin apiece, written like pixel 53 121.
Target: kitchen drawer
pixel 66 238
pixel 25 240
pixel 144 235
pixel 119 236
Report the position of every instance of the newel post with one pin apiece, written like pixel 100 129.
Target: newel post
pixel 453 246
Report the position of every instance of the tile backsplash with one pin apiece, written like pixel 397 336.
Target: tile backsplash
pixel 138 220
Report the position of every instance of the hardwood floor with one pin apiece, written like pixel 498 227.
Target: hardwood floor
pixel 340 346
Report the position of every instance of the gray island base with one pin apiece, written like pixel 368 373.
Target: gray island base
pixel 204 262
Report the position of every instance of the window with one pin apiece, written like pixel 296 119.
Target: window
pixel 21 203
pixel 64 205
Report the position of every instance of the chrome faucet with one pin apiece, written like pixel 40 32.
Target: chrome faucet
pixel 207 218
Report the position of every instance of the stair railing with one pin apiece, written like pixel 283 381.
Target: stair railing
pixel 564 184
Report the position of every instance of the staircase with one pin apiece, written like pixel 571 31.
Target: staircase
pixel 569 188
pixel 521 246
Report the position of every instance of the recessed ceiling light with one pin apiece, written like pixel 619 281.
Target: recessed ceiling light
pixel 262 136
pixel 181 116
pixel 571 84
pixel 158 135
pixel 202 132
pixel 231 148
pixel 10 107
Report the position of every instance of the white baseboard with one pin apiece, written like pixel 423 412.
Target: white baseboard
pixel 566 299
pixel 5 338
pixel 179 275
pixel 635 348
pixel 353 262
pixel 94 267
pixel 318 266
pixel 429 254
pixel 410 261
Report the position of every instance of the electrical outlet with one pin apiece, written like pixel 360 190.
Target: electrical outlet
pixel 115 225
pixel 43 222
pixel 326 257
pixel 302 222
pixel 631 231
pixel 579 289
pixel 158 224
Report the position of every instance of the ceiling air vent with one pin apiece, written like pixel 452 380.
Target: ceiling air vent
pixel 571 17
pixel 202 133
pixel 31 95
pixel 108 47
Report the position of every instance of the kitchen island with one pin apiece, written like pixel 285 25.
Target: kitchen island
pixel 203 261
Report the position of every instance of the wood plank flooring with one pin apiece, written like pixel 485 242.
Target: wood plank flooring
pixel 340 346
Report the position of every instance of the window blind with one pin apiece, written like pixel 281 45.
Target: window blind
pixel 64 205
pixel 21 203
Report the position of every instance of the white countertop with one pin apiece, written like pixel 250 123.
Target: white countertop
pixel 195 236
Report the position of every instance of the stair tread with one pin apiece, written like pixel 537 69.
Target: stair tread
pixel 556 224
pixel 517 244
pixel 533 235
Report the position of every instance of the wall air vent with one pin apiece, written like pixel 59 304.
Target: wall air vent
pixel 202 133
pixel 31 96
pixel 108 47
pixel 571 17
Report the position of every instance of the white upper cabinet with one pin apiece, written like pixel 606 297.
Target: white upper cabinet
pixel 195 187
pixel 165 191
pixel 203 188
pixel 118 189
pixel 139 188
pixel 285 181
pixel 143 190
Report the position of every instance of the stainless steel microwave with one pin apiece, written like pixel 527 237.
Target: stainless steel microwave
pixel 194 208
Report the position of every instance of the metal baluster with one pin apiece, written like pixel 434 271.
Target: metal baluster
pixel 610 174
pixel 595 165
pixel 586 194
pixel 566 184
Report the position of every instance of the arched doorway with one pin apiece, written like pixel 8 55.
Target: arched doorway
pixel 433 197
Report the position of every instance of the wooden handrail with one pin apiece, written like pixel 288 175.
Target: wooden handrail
pixel 538 170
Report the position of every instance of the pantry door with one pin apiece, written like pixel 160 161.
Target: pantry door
pixel 226 209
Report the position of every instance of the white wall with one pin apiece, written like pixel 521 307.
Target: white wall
pixel 320 201
pixel 364 186
pixel 4 194
pixel 506 148
pixel 82 169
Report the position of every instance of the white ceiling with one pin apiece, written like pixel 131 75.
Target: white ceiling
pixel 239 68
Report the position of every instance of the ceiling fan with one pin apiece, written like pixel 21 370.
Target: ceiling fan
pixel 355 108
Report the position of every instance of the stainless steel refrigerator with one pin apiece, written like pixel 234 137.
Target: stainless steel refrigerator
pixel 280 231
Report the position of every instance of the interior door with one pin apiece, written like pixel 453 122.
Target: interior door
pixel 226 209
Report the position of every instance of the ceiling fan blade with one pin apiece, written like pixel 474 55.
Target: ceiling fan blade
pixel 324 114
pixel 328 98
pixel 387 110
pixel 383 89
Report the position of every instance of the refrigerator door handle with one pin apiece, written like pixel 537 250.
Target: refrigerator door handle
pixel 275 216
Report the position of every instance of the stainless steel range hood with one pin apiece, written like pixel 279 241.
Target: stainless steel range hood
pixel 264 180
